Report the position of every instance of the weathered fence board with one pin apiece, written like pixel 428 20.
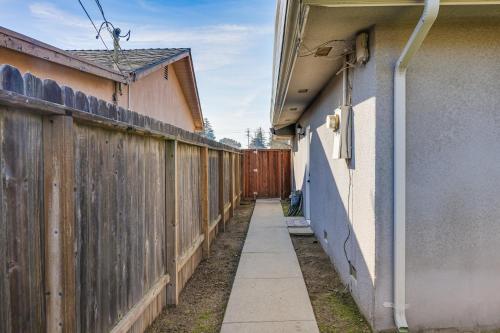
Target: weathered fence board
pixel 189 203
pixel 227 178
pixel 21 225
pixel 59 180
pixel 213 184
pixel 266 173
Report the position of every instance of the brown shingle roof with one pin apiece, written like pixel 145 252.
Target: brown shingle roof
pixel 141 62
pixel 132 60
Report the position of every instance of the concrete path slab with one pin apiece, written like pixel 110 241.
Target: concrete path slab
pixel 268 266
pixel 271 327
pixel 269 293
pixel 268 240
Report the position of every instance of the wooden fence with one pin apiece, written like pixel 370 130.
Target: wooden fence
pixel 266 173
pixel 104 213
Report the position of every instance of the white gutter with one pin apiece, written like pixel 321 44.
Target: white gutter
pixel 294 53
pixel 429 15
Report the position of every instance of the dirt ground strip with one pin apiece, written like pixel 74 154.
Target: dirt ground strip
pixel 203 301
pixel 334 308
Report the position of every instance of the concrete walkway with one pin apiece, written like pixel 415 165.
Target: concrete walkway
pixel 269 294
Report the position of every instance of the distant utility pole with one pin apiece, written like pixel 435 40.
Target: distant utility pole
pixel 248 137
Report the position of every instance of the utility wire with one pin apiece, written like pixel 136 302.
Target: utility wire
pixel 93 24
pixel 99 34
pixel 313 50
pixel 111 32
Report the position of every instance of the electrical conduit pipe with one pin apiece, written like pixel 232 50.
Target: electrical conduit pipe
pixel 429 15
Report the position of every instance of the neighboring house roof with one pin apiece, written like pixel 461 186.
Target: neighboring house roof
pixel 300 75
pixel 138 63
pixel 133 60
pixel 134 64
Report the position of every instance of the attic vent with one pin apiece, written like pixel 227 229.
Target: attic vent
pixel 165 72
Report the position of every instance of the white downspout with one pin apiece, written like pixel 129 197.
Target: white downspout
pixel 427 19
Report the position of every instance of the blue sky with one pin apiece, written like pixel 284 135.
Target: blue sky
pixel 231 42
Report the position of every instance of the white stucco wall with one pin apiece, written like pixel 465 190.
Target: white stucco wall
pixel 330 183
pixel 453 184
pixel 453 178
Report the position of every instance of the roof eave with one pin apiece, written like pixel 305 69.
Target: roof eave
pixel 150 68
pixel 283 74
pixel 291 27
pixel 374 3
pixel 198 124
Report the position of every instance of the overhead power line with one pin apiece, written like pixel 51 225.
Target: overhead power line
pixel 114 32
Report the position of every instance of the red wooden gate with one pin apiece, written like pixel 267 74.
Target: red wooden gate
pixel 266 173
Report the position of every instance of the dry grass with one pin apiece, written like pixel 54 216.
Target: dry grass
pixel 333 305
pixel 334 308
pixel 203 301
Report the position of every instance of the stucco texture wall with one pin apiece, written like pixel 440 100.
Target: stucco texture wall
pixel 90 84
pixel 162 99
pixel 453 179
pixel 330 181
pixel 453 182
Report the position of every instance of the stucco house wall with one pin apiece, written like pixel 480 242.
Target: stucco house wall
pixel 453 183
pixel 453 179
pixel 91 85
pixel 330 181
pixel 162 99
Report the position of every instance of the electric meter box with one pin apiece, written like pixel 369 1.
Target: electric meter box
pixel 340 123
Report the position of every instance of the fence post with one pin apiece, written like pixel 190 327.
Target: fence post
pixel 231 183
pixel 205 219
pixel 172 225
pixel 59 217
pixel 238 177
pixel 281 173
pixel 244 174
pixel 221 190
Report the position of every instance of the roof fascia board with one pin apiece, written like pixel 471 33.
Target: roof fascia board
pixel 24 44
pixel 200 113
pixel 294 25
pixel 393 3
pixel 185 86
pixel 146 70
pixel 278 50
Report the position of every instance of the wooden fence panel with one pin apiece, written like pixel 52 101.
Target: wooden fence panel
pixel 100 209
pixel 120 219
pixel 21 228
pixel 266 173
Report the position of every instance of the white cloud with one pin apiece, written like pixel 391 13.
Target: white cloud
pixel 214 46
pixel 50 13
pixel 231 61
